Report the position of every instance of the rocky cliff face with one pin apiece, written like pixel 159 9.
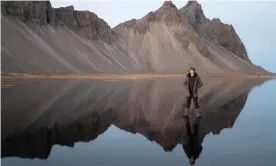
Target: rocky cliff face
pixel 29 11
pixel 214 30
pixel 37 38
pixel 85 22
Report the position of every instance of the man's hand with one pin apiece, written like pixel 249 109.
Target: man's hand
pixel 200 83
pixel 186 83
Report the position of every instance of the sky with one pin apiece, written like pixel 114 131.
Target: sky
pixel 254 21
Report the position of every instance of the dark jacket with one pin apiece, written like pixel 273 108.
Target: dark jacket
pixel 197 84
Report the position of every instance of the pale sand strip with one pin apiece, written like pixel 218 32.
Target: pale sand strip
pixel 130 76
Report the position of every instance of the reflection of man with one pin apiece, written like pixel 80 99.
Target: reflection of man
pixel 192 84
pixel 193 147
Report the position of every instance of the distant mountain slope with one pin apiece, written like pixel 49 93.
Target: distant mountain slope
pixel 37 38
pixel 41 39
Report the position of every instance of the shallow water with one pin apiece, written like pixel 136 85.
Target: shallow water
pixel 84 122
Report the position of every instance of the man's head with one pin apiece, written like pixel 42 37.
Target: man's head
pixel 192 71
pixel 192 160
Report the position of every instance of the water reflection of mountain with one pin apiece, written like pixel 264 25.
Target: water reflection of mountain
pixel 40 114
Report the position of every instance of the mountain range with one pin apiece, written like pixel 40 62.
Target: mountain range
pixel 37 38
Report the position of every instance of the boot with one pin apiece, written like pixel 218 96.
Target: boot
pixel 186 113
pixel 197 113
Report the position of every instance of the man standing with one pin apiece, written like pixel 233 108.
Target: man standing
pixel 192 84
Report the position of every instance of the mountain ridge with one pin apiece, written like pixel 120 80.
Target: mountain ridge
pixel 167 40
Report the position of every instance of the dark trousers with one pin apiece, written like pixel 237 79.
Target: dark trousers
pixel 189 100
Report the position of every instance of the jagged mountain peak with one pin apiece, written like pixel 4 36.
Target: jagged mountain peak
pixel 168 4
pixel 192 2
pixel 193 12
pixel 213 30
pixel 70 7
pixel 167 13
pixel 193 5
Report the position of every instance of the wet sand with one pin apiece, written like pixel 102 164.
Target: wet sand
pixel 130 76
pixel 15 79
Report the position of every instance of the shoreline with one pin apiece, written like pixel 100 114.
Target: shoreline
pixel 130 76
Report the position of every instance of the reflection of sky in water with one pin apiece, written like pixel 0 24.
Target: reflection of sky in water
pixel 254 21
pixel 251 141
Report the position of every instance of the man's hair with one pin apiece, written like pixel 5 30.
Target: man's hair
pixel 192 68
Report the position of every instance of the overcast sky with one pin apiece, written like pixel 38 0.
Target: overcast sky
pixel 254 21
